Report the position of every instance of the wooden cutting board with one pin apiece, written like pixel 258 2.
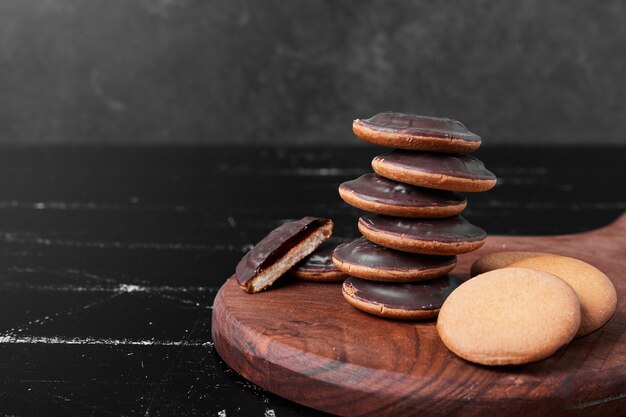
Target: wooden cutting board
pixel 302 341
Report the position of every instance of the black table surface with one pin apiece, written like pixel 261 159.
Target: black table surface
pixel 110 259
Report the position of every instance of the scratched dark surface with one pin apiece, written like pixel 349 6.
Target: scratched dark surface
pixel 110 259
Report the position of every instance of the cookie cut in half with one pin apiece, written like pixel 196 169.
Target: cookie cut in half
pixel 409 131
pixel 453 172
pixel 279 251
pixel 509 316
pixel 367 260
pixel 376 194
pixel 407 301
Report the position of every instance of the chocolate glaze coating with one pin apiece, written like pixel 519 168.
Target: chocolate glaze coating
pixel 414 125
pixel 373 187
pixel 423 295
pixel 449 230
pixel 275 245
pixel 321 260
pixel 363 252
pixel 453 165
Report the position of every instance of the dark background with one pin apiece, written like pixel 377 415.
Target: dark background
pixel 110 257
pixel 298 72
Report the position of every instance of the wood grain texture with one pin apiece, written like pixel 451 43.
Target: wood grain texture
pixel 304 342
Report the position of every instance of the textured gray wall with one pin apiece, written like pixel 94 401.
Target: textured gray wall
pixel 298 72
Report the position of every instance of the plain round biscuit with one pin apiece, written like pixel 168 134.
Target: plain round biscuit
pixel 497 260
pixel 597 295
pixel 509 316
pixel 428 180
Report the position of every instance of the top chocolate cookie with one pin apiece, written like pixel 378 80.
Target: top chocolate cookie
pixel 413 132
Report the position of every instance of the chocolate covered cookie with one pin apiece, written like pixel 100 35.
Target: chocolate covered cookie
pixel 409 131
pixel 452 172
pixel 376 194
pixel 364 259
pixel 410 301
pixel 447 236
pixel 280 250
pixel 319 265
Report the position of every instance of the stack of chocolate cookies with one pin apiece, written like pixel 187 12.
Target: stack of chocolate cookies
pixel 413 229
